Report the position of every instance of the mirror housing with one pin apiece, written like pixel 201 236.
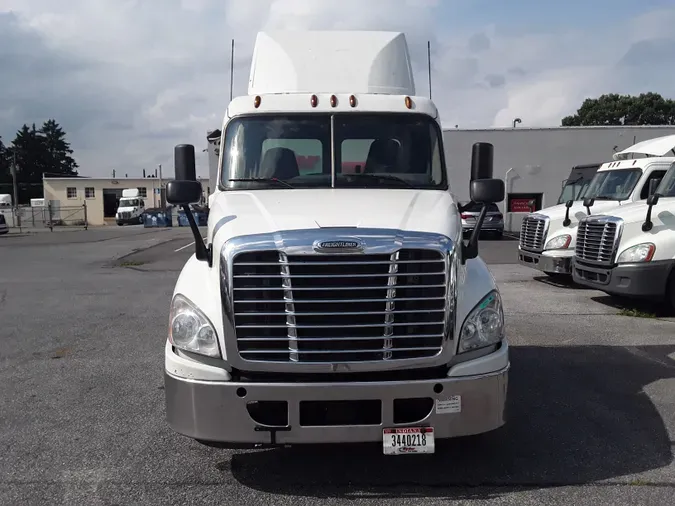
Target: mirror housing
pixel 588 203
pixel 569 203
pixel 183 192
pixel 653 185
pixel 487 191
pixel 482 160
pixel 184 162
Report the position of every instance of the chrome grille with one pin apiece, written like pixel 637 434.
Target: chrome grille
pixel 125 215
pixel 339 308
pixel 533 232
pixel 596 240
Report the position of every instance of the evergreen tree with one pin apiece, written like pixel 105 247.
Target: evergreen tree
pixel 57 151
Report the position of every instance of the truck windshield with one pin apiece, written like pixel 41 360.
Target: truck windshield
pixel 574 190
pixel 128 202
pixel 365 150
pixel 667 186
pixel 613 184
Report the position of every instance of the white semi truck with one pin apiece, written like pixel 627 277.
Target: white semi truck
pixel 630 251
pixel 131 207
pixel 548 237
pixel 333 300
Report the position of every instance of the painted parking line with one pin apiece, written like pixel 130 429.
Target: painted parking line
pixel 186 246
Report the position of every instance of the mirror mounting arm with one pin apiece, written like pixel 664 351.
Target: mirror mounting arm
pixel 651 202
pixel 201 251
pixel 470 249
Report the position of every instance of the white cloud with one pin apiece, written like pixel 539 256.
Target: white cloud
pixel 129 79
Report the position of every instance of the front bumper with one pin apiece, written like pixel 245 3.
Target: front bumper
pixel 646 280
pixel 126 221
pixel 217 410
pixel 554 261
pixel 486 227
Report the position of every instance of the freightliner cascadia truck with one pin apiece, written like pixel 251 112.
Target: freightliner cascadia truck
pixel 333 298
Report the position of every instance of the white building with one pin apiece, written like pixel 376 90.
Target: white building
pixel 101 196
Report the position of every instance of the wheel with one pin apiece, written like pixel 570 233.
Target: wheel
pixel 140 220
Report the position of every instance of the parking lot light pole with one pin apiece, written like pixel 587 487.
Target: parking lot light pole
pixel 15 187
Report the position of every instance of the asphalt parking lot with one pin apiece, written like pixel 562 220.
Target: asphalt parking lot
pixel 83 316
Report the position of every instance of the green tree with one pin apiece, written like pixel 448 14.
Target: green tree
pixel 614 109
pixel 57 151
pixel 4 160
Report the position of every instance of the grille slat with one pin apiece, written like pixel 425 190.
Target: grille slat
pixel 533 232
pixel 596 240
pixel 339 308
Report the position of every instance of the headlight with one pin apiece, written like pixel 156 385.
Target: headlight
pixel 640 253
pixel 560 242
pixel 190 329
pixel 484 326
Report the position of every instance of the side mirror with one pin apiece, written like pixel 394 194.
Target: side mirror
pixel 588 203
pixel 183 192
pixel 186 190
pixel 653 185
pixel 487 191
pixel 652 200
pixel 567 221
pixel 484 190
pixel 482 160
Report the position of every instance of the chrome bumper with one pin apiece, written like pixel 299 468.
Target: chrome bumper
pixel 546 262
pixel 217 410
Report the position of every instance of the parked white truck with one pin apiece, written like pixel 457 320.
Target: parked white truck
pixel 548 237
pixel 631 251
pixel 338 302
pixel 131 207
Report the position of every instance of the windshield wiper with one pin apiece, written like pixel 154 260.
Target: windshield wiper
pixel 262 180
pixel 386 177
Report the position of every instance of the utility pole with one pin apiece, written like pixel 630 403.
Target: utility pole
pixel 429 65
pixel 231 70
pixel 15 185
pixel 161 193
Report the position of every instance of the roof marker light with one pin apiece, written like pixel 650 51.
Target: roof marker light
pixel 333 100
pixel 256 101
pixel 314 100
pixel 352 101
pixel 408 102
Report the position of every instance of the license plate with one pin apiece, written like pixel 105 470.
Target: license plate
pixel 407 440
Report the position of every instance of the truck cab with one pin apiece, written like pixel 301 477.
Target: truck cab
pixel 631 251
pixel 333 299
pixel 131 208
pixel 548 237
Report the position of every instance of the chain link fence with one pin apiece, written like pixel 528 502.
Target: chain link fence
pixel 49 216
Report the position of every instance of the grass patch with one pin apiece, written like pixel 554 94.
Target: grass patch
pixel 131 263
pixel 636 313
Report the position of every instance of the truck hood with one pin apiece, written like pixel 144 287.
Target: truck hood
pixel 636 212
pixel 578 211
pixel 265 211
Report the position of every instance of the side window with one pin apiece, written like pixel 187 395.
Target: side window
pixel 656 174
pixel 308 153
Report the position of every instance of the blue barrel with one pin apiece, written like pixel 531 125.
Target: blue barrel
pixel 157 218
pixel 182 219
pixel 201 218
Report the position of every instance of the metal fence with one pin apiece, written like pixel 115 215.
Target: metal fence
pixel 46 217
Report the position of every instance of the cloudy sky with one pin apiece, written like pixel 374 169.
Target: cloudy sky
pixel 129 79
